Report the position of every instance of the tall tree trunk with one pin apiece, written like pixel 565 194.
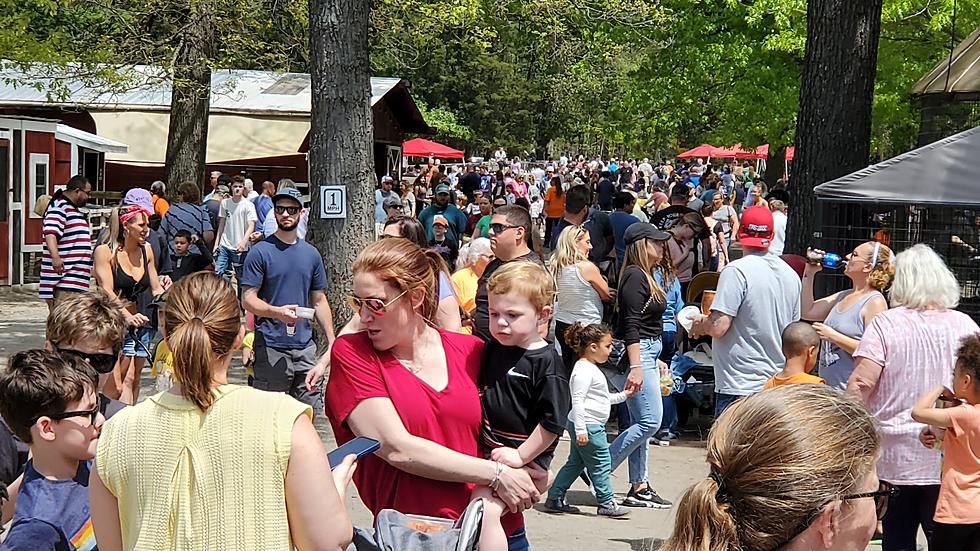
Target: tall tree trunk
pixel 187 141
pixel 775 166
pixel 833 129
pixel 341 138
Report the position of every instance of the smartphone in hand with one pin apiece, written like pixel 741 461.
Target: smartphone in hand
pixel 359 446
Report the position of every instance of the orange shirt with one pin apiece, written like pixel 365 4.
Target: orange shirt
pixel 554 207
pixel 160 205
pixel 799 378
pixel 959 493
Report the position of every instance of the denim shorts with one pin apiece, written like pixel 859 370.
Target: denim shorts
pixel 131 347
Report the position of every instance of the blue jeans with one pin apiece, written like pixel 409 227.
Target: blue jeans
pixel 518 541
pixel 646 410
pixel 593 457
pixel 226 257
pixel 669 422
pixel 722 401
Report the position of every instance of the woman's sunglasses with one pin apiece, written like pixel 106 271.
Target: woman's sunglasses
pixel 885 492
pixel 92 414
pixel 103 363
pixel 377 306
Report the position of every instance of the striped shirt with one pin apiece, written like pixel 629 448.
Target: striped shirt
pixel 64 221
pixel 184 216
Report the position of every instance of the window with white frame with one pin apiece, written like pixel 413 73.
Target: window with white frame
pixel 40 176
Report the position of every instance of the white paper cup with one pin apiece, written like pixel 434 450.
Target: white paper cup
pixel 306 313
pixel 687 315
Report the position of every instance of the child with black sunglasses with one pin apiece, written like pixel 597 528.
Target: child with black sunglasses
pixel 50 401
pixel 957 518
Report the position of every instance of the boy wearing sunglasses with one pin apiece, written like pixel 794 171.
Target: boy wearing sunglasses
pixel 88 326
pixel 51 401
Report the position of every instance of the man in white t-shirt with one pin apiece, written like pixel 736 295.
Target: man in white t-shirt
pixel 236 222
pixel 758 296
pixel 778 209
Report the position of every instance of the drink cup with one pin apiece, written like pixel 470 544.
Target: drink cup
pixel 706 299
pixel 305 313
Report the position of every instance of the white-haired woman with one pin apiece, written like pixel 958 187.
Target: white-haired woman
pixel 905 352
pixel 473 259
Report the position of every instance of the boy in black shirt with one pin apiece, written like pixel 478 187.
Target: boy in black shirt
pixel 186 262
pixel 523 389
pixel 442 242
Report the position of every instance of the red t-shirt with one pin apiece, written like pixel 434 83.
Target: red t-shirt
pixel 450 418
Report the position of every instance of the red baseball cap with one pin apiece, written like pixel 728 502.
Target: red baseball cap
pixel 755 229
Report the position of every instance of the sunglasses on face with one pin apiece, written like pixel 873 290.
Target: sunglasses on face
pixel 501 228
pixel 92 414
pixel 377 306
pixel 103 363
pixel 885 492
pixel 284 209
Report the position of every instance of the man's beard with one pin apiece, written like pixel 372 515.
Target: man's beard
pixel 284 227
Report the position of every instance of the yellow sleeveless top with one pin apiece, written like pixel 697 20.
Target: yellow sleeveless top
pixel 189 480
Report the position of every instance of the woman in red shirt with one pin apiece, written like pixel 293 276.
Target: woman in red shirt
pixel 413 387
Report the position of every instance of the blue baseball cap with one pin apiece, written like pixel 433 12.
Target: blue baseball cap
pixel 288 193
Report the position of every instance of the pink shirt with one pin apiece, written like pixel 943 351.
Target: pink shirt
pixel 917 349
pixel 959 495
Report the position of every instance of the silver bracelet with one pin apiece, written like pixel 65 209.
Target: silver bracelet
pixel 498 470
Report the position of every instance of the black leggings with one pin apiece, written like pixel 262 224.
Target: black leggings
pixel 956 537
pixel 913 506
pixel 568 356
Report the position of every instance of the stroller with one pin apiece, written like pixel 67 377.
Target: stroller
pixel 394 531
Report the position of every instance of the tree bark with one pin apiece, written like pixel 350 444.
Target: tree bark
pixel 833 130
pixel 775 166
pixel 187 140
pixel 341 139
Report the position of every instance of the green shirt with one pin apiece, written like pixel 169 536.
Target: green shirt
pixel 484 226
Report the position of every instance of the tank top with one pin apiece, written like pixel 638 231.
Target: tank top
pixel 188 479
pixel 836 364
pixel 577 299
pixel 127 287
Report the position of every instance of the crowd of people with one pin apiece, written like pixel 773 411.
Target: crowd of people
pixel 500 306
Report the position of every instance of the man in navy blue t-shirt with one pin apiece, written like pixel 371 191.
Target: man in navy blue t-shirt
pixel 621 219
pixel 281 274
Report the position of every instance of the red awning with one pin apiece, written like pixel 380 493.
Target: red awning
pixel 703 150
pixel 420 147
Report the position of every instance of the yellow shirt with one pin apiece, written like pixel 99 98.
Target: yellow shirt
pixel 798 378
pixel 465 282
pixel 189 480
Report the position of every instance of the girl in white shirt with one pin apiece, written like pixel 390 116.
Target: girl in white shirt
pixel 591 401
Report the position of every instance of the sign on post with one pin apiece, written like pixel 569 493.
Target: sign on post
pixel 333 201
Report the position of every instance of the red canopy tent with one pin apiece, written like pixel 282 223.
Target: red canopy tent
pixel 703 150
pixel 420 147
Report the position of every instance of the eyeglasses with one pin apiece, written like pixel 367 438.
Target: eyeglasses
pixel 501 228
pixel 92 414
pixel 377 306
pixel 291 210
pixel 885 492
pixel 103 363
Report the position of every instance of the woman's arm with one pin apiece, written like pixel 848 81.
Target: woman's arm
pixel 872 308
pixel 103 269
pixel 447 316
pixel 378 419
pixel 591 274
pixel 829 334
pixel 733 221
pixel 811 309
pixel 863 379
pixel 317 516
pixel 105 513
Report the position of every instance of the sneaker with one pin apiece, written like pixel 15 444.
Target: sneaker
pixel 612 510
pixel 646 498
pixel 658 441
pixel 559 506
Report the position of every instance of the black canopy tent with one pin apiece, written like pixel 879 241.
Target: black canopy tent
pixel 941 173
pixel 929 195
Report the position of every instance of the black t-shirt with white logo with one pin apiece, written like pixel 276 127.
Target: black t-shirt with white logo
pixel 519 390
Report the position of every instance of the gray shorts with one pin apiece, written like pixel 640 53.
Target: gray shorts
pixel 285 371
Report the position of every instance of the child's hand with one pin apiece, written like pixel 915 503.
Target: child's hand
pixel 508 456
pixel 630 391
pixel 581 439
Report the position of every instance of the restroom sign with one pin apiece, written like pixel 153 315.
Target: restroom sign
pixel 333 201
